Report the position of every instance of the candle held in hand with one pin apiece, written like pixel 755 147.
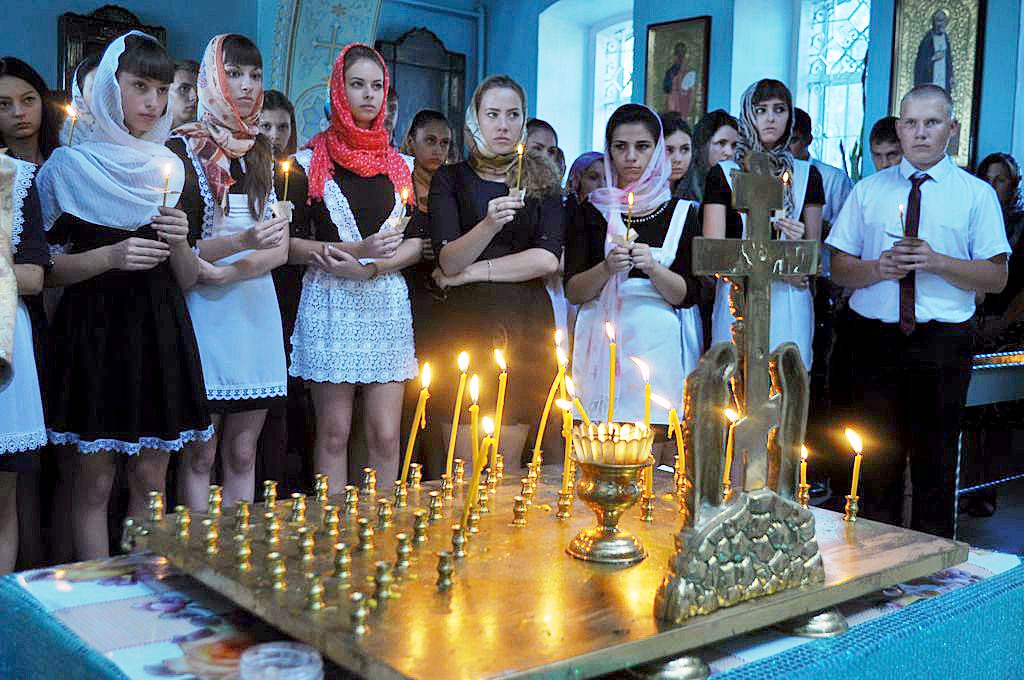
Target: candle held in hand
pixel 419 420
pixel 520 150
pixel 610 332
pixel 73 115
pixel 286 168
pixel 630 199
pixel 858 447
pixel 167 182
pixel 903 223
pixel 463 367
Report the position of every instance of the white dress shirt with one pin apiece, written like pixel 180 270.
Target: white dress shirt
pixel 837 187
pixel 960 217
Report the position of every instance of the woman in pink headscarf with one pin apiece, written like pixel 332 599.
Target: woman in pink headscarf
pixel 631 267
pixel 229 198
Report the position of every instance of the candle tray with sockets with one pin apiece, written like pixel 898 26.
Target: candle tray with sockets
pixel 515 604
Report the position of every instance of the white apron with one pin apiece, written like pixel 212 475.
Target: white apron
pixel 649 328
pixel 21 407
pixel 237 326
pixel 792 307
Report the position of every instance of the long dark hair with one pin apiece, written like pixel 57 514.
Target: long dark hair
pixel 49 125
pixel 671 123
pixel 422 117
pixel 707 126
pixel 1007 161
pixel 259 160
pixel 275 100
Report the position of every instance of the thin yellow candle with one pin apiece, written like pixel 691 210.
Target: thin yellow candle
pixel 610 331
pixel 286 168
pixel 645 373
pixel 803 464
pixel 520 149
pixel 478 466
pixel 499 409
pixel 733 417
pixel 903 224
pixel 563 361
pixel 418 420
pixel 858 448
pixel 405 195
pixel 567 433
pixel 463 367
pixel 570 389
pixel 474 413
pixel 167 182
pixel 73 115
pixel 674 430
pixel 629 214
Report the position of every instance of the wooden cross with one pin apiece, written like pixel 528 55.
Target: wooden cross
pixel 751 264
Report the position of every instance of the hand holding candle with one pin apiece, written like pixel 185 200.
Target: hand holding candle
pixel 73 115
pixel 520 150
pixel 418 421
pixel 286 168
pixel 610 332
pixel 463 367
pixel 630 199
pixel 167 182
pixel 858 447
pixel 903 223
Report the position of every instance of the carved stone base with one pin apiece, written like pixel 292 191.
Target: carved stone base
pixel 757 545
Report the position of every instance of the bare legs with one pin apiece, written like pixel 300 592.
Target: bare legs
pixel 382 408
pixel 236 434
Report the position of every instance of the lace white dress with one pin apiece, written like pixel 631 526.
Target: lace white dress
pixel 350 331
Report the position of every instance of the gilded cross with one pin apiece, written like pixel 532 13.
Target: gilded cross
pixel 770 417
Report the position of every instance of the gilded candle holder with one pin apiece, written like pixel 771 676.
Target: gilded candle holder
pixel 609 490
pixel 803 494
pixel 851 509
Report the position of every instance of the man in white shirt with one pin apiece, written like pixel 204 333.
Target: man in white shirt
pixel 915 242
pixel 837 183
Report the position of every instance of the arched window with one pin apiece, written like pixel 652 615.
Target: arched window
pixel 833 49
pixel 613 74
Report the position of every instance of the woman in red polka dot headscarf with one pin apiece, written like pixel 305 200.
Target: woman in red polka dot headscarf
pixel 354 324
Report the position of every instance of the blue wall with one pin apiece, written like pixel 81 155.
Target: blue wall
pixel 189 26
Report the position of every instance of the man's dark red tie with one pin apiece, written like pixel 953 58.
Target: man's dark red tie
pixel 907 283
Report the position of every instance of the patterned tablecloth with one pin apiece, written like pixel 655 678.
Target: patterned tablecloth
pixel 137 617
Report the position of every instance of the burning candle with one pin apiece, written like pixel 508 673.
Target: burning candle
pixel 803 464
pixel 463 367
pixel 610 332
pixel 727 473
pixel 570 390
pixel 286 168
pixel 167 182
pixel 567 433
pixel 73 115
pixel 474 414
pixel 419 420
pixel 629 212
pixel 674 430
pixel 858 448
pixel 405 195
pixel 478 466
pixel 645 373
pixel 499 409
pixel 520 149
pixel 563 361
pixel 903 224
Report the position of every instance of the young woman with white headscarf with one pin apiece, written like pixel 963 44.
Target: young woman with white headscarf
pixel 766 124
pixel 643 287
pixel 124 375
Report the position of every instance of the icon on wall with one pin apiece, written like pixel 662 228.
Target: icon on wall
pixel 677 67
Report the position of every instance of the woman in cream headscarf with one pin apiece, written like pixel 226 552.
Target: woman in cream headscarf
pixel 494 250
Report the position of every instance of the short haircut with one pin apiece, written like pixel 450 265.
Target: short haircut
pixel 928 90
pixel 188 65
pixel 884 131
pixel 538 124
pixel 802 123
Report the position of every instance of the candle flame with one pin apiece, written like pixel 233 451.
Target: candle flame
pixel 785 177
pixel 803 452
pixel 405 195
pixel 520 148
pixel 563 404
pixel 901 210
pixel 500 359
pixel 558 337
pixel 855 441
pixel 563 358
pixel 645 371
pixel 72 112
pixel 463 361
pixel 487 423
pixel 474 388
pixel 661 401
pixel 732 415
pixel 167 169
pixel 286 167
pixel 630 198
pixel 570 387
pixel 425 375
pixel 609 331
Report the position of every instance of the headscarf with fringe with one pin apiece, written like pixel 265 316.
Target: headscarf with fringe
pixel 749 141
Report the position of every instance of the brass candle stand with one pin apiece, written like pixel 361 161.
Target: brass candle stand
pixel 609 490
pixel 803 495
pixel 851 509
